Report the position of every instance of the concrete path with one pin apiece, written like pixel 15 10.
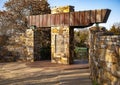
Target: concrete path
pixel 43 73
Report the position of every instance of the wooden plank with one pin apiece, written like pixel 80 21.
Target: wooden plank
pixel 40 21
pixel 98 16
pixel 82 18
pixel 72 18
pixel 77 19
pixel 87 17
pixel 53 20
pixel 34 20
pixel 105 14
pixel 62 19
pixel 28 20
pixel 57 19
pixel 37 21
pixel 45 20
pixel 48 20
pixel 66 19
pixel 93 18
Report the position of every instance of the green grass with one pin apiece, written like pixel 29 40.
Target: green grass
pixel 95 82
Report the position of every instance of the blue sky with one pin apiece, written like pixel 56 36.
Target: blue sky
pixel 80 5
pixel 2 4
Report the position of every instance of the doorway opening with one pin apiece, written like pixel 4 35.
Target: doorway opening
pixel 81 48
pixel 42 44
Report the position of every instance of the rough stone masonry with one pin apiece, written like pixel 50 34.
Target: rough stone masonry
pixel 104 56
pixel 62 43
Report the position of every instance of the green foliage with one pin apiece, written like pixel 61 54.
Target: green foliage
pixel 80 49
pixel 81 38
pixel 95 83
pixel 81 52
pixel 115 30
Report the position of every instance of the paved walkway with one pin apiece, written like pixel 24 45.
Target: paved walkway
pixel 44 73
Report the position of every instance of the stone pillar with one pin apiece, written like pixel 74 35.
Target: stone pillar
pixel 62 50
pixel 92 32
pixel 29 45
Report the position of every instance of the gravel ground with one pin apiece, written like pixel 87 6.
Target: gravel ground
pixel 43 73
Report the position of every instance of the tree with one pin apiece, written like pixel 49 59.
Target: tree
pixel 115 29
pixel 13 22
pixel 5 22
pixel 35 7
pixel 20 8
pixel 81 37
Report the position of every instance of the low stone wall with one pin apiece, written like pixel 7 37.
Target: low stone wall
pixel 21 46
pixel 30 46
pixel 104 54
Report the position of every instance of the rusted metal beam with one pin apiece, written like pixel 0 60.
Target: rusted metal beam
pixel 73 19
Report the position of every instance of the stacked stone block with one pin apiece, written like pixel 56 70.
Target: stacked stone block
pixel 20 47
pixel 29 43
pixel 62 40
pixel 104 57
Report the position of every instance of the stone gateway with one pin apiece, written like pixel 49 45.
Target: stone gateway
pixel 62 21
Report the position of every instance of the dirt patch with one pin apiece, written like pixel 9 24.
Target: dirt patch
pixel 40 73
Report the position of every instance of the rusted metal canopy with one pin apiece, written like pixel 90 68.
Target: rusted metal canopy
pixel 72 19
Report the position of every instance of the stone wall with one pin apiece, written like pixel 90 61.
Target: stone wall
pixel 3 51
pixel 104 56
pixel 33 45
pixel 18 47
pixel 22 45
